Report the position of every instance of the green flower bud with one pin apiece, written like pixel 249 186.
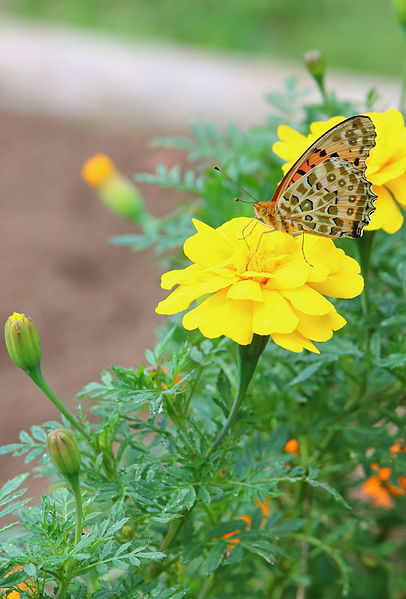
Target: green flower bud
pixel 128 531
pixel 23 342
pixel 315 64
pixel 122 197
pixel 64 451
pixel 399 6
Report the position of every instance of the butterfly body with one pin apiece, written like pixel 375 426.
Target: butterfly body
pixel 326 192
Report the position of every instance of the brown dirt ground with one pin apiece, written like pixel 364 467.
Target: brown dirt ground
pixel 93 303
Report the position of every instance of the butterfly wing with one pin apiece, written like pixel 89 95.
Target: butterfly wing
pixel 350 140
pixel 311 183
pixel 334 199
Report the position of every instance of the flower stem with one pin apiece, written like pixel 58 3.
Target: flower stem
pixel 248 356
pixel 364 251
pixel 38 378
pixel 402 101
pixel 75 486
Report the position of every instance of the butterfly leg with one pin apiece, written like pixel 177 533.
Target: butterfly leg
pixel 253 220
pixel 304 256
pixel 271 230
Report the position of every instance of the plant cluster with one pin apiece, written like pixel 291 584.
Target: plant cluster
pixel 222 469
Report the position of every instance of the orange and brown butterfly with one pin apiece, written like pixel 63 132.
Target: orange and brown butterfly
pixel 326 192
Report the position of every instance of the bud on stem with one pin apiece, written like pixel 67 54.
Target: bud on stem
pixel 23 342
pixel 117 192
pixel 64 452
pixel 316 66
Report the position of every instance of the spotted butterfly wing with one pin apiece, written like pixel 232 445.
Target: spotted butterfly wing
pixel 325 192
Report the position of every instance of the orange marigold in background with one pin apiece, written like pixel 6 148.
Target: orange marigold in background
pixel 261 284
pixel 386 165
pixel 379 489
pixel 15 594
pixel 292 446
pixel 264 506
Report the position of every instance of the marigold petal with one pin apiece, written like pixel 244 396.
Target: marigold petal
pixel 317 128
pixel 308 300
pixel 398 188
pixel 320 328
pixel 294 342
pixel 346 283
pixel 292 146
pixel 218 316
pixel 206 247
pixel 181 298
pixel 290 276
pixel 387 215
pixel 322 254
pixel 189 275
pixel 387 159
pixel 274 315
pixel 245 290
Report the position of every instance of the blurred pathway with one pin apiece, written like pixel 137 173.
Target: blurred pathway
pixel 77 74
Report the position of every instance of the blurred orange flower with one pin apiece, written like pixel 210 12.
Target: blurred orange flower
pixel 292 446
pixel 379 489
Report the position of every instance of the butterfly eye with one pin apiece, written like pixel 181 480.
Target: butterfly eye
pixel 350 211
pixel 331 177
pixel 352 199
pixel 341 182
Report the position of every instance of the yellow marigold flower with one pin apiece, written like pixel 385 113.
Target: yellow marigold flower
pixel 386 165
pixel 97 169
pixel 261 284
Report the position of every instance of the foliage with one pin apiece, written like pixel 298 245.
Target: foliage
pixel 163 499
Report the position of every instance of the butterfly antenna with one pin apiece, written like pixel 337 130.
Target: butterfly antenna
pixel 255 201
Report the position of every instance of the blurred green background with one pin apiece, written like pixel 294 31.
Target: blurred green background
pixel 356 34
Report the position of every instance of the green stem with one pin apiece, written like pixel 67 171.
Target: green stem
pixel 75 486
pixel 79 507
pixel 364 251
pixel 38 378
pixel 248 356
pixel 402 101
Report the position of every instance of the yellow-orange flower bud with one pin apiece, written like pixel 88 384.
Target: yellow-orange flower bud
pixel 117 192
pixel 97 170
pixel 23 342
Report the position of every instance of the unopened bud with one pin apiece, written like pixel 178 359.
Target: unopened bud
pixel 315 64
pixel 64 451
pixel 117 192
pixel 128 531
pixel 399 6
pixel 23 342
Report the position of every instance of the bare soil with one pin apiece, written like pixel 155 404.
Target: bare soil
pixel 93 303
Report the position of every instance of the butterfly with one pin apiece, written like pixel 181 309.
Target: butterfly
pixel 326 192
